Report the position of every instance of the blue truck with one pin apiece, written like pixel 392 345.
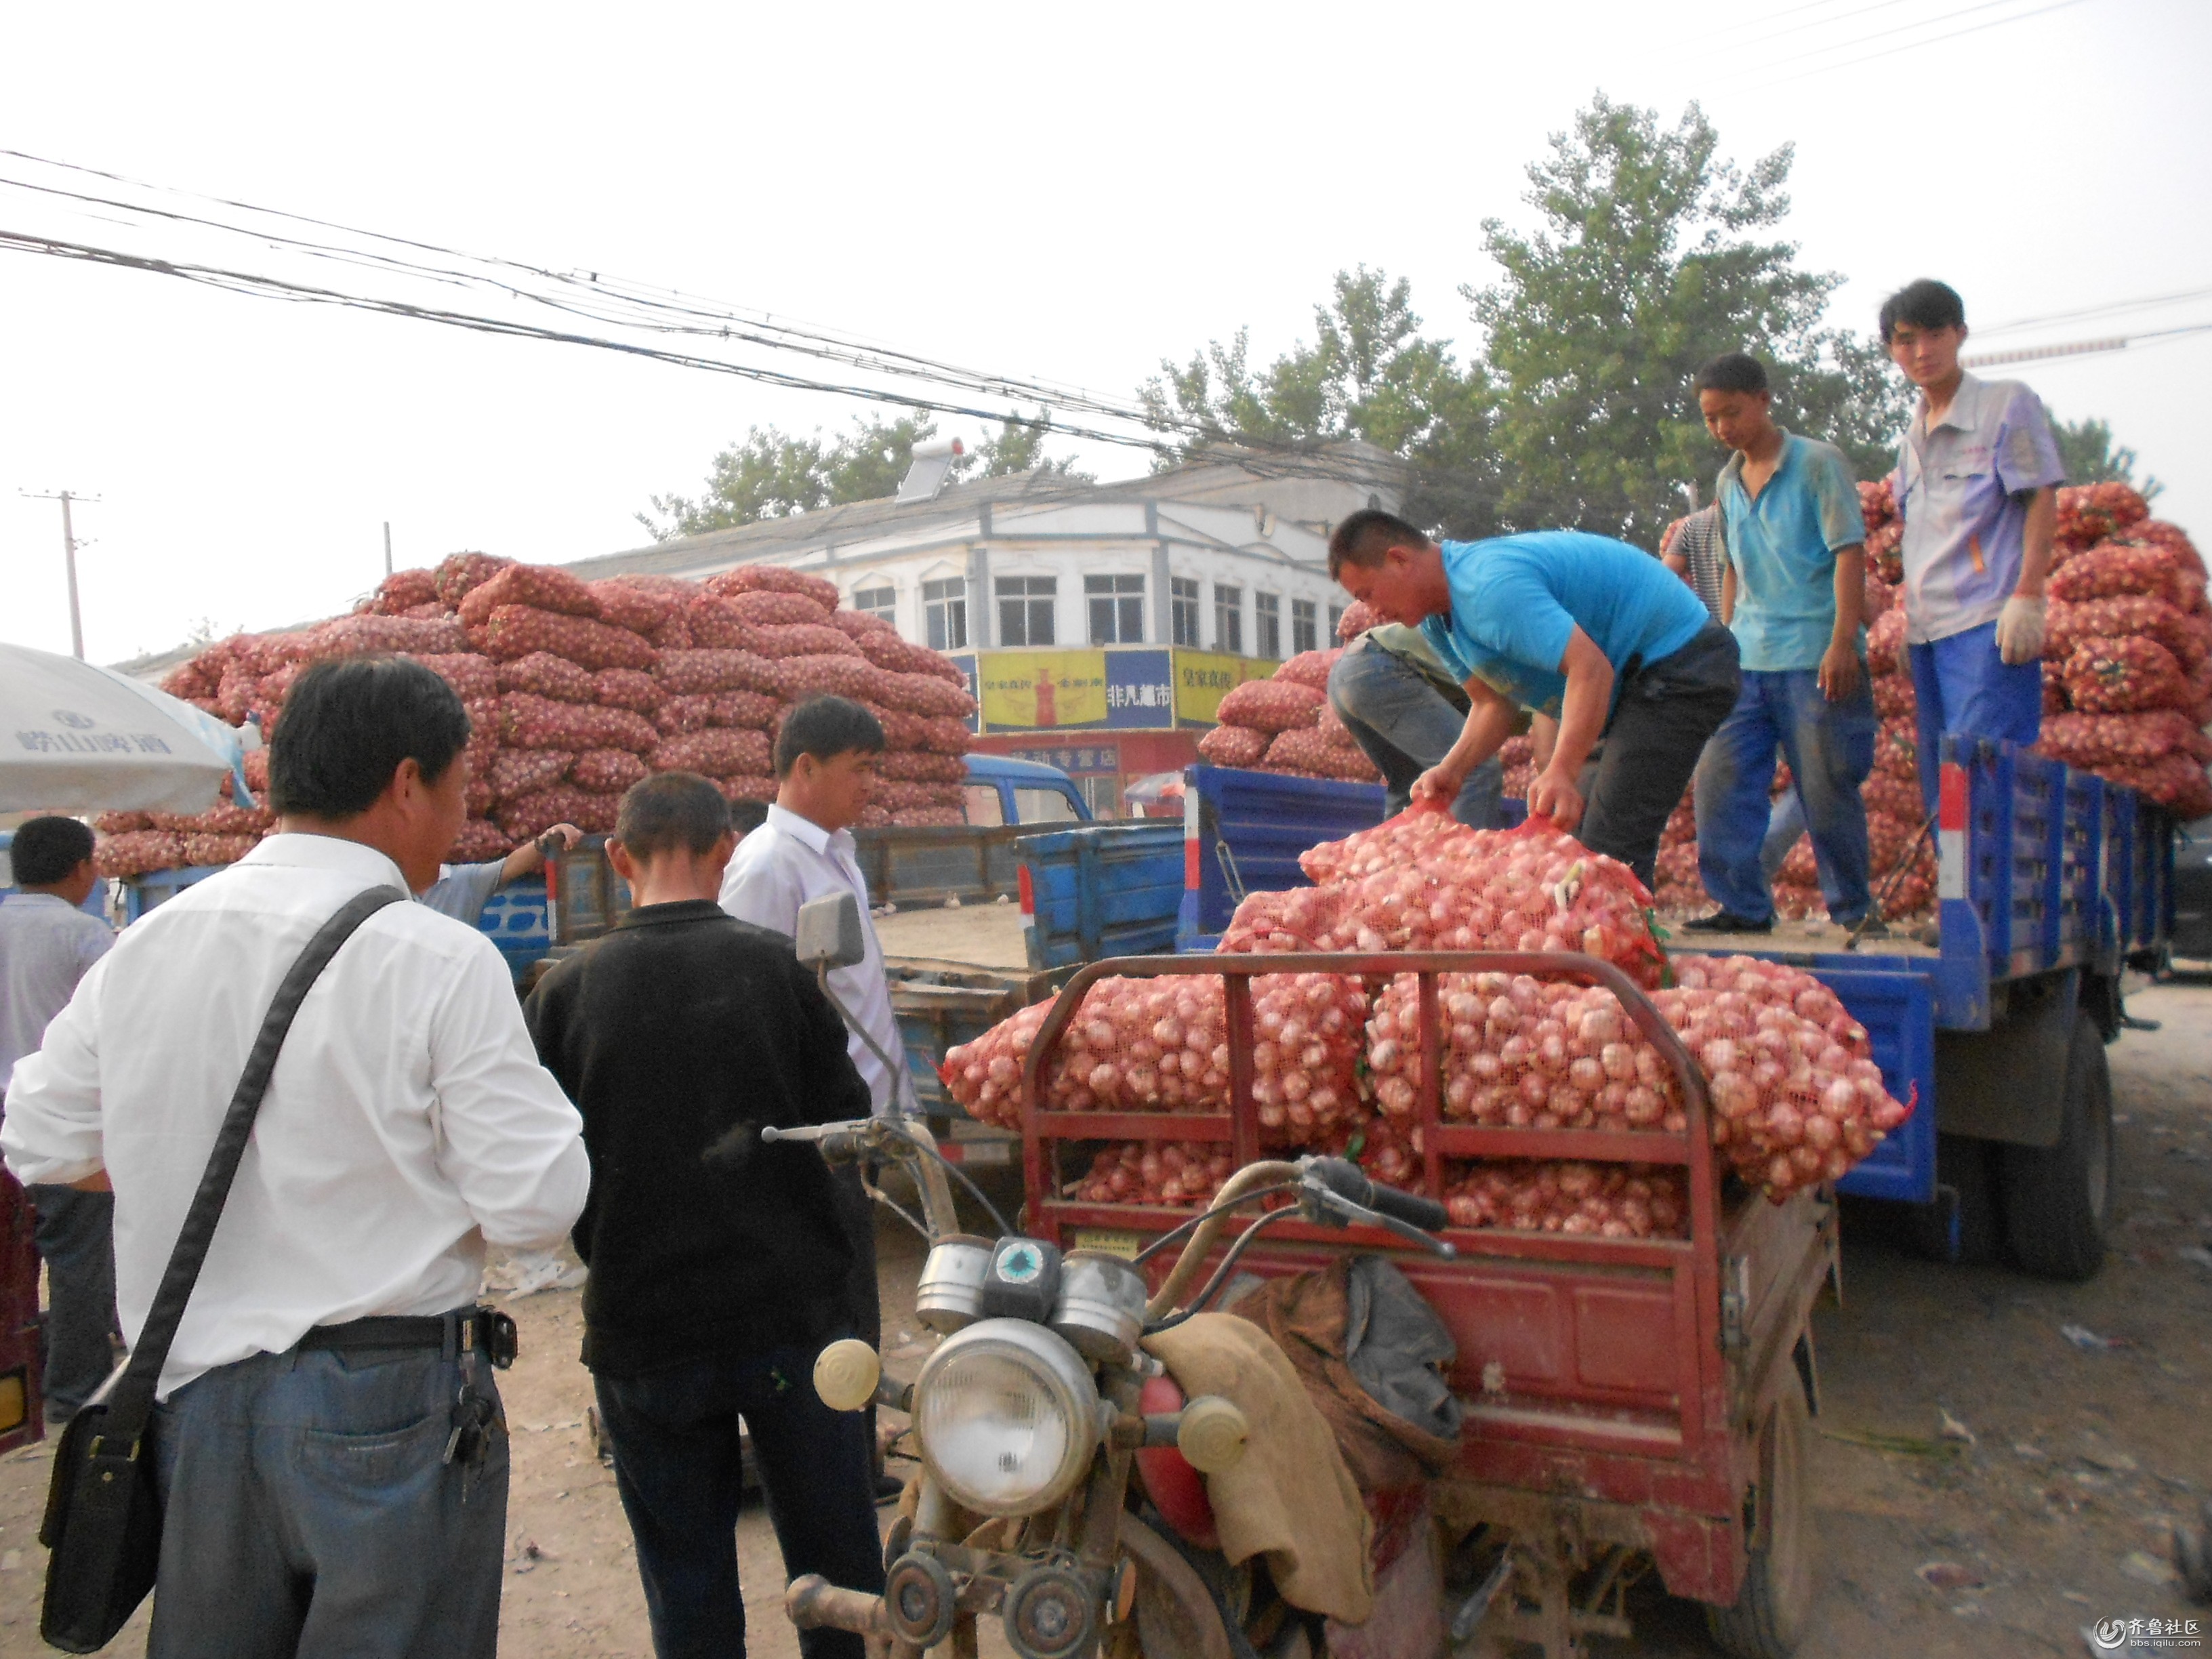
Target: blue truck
pixel 2053 884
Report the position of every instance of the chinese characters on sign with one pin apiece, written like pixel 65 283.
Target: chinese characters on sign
pixel 1088 761
pixel 93 742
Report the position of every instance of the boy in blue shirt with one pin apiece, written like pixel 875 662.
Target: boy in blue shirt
pixel 1592 632
pixel 1791 594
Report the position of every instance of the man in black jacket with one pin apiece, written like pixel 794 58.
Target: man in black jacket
pixel 718 1262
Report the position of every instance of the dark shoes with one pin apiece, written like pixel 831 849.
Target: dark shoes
pixel 1726 921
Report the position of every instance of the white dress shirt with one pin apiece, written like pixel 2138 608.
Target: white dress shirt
pixel 780 866
pixel 408 1121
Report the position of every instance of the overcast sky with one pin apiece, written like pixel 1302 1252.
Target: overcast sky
pixel 1067 192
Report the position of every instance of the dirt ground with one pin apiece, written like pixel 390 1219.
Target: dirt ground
pixel 987 935
pixel 2053 1517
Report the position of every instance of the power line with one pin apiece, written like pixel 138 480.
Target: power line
pixel 1901 29
pixel 1933 39
pixel 1814 23
pixel 2080 348
pixel 2147 303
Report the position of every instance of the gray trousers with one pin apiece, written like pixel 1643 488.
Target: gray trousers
pixel 1404 725
pixel 76 1241
pixel 307 1512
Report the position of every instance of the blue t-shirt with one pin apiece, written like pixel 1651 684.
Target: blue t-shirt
pixel 1516 600
pixel 1784 547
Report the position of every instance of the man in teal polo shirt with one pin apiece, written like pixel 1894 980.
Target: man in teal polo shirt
pixel 1588 630
pixel 1791 591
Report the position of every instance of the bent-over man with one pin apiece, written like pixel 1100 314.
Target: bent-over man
pixel 317 1380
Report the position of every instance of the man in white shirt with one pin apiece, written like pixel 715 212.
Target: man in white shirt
pixel 825 767
pixel 48 943
pixel 318 1496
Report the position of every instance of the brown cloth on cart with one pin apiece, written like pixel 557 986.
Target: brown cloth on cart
pixel 1353 1331
pixel 1291 1497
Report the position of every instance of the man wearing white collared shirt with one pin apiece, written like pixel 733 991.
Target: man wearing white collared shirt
pixel 300 1443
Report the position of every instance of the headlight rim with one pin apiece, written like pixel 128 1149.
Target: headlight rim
pixel 1068 1384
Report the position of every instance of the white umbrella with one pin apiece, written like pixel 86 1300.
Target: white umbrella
pixel 78 738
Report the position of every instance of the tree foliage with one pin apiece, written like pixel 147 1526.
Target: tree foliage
pixel 1651 254
pixel 2086 447
pixel 770 474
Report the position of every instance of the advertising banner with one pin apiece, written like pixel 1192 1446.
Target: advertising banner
pixel 1203 678
pixel 1039 690
pixel 1140 689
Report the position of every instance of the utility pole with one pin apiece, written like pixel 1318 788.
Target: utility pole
pixel 69 559
pixel 387 547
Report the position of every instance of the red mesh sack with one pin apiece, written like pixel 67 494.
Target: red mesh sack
pixel 1271 706
pixel 628 688
pixel 459 575
pixel 774 607
pixel 544 675
pixel 403 590
pixel 621 601
pixel 121 824
pixel 1603 1201
pixel 2093 741
pixel 1357 619
pixel 138 852
pixel 517 630
pixel 1877 505
pixel 1900 798
pixel 893 655
pixel 1896 751
pixel 196 678
pixel 1885 552
pixel 674 634
pixel 1885 648
pixel 224 820
pixel 474 678
pixel 805 639
pixel 1894 697
pixel 1877 599
pixel 2113 676
pixel 480 842
pixel 515 772
pixel 531 722
pixel 2069 625
pixel 928 817
pixel 852 676
pixel 365 635
pixel 694 713
pixel 919 767
pixel 1308 754
pixel 2090 512
pixel 944 735
pixel 898 795
pixel 203 848
pixel 606 771
pixel 1309 668
pixel 750 787
pixel 715 626
pixel 1796 1098
pixel 528 817
pixel 1233 746
pixel 2175 781
pixel 774 578
pixel 927 694
pixel 1163 1175
pixel 716 752
pixel 2161 570
pixel 861 625
pixel 539 586
pixel 685 673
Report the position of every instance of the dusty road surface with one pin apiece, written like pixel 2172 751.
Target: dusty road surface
pixel 986 935
pixel 2051 1518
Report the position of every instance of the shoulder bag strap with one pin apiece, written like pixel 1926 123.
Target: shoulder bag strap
pixel 131 1401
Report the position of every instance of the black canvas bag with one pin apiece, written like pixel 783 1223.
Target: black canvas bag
pixel 103 1520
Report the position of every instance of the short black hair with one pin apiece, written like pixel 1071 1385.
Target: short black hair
pixel 1733 371
pixel 672 809
pixel 1926 303
pixel 823 727
pixel 348 723
pixel 1363 539
pixel 45 850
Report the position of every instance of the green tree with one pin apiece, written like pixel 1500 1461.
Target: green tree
pixel 2086 447
pixel 1655 255
pixel 771 474
pixel 1370 374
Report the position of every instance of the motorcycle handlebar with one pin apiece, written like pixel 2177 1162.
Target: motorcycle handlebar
pixel 1348 1181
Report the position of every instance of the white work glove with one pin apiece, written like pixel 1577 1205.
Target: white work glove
pixel 2019 630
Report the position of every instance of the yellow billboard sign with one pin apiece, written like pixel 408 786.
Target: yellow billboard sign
pixel 1036 690
pixel 1203 678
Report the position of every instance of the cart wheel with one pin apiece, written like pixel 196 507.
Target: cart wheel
pixel 2059 1200
pixel 1776 1604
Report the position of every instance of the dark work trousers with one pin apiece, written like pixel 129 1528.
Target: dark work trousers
pixel 857 1210
pixel 677 1467
pixel 76 1241
pixel 309 1511
pixel 1405 725
pixel 1663 714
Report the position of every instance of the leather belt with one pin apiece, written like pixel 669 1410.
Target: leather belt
pixel 482 1331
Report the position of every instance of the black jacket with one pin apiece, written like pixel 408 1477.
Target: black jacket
pixel 677 1035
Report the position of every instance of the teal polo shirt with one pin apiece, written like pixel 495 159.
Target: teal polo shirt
pixel 1517 599
pixel 1783 546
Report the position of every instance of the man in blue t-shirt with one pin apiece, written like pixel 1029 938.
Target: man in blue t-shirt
pixel 1590 631
pixel 1791 590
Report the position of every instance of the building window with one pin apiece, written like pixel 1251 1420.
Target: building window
pixel 1228 619
pixel 1183 601
pixel 944 612
pixel 1268 626
pixel 1117 608
pixel 1335 616
pixel 1303 631
pixel 1025 609
pixel 877 602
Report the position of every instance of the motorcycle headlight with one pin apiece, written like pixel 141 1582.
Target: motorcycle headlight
pixel 1007 1416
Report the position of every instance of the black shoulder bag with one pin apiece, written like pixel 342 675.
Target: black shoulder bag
pixel 103 1520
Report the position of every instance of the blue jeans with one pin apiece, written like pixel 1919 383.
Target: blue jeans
pixel 1785 822
pixel 308 1511
pixel 1966 689
pixel 1830 749
pixel 677 1467
pixel 76 1241
pixel 1397 715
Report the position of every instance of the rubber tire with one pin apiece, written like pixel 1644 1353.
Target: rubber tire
pixel 1968 1167
pixel 1774 1609
pixel 2059 1200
